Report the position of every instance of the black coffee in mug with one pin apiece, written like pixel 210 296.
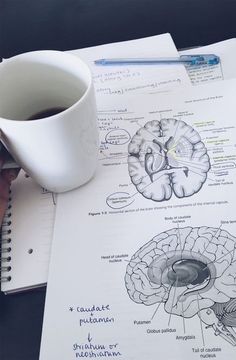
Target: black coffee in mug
pixel 60 152
pixel 46 113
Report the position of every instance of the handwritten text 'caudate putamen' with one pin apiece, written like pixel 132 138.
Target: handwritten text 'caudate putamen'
pixel 94 314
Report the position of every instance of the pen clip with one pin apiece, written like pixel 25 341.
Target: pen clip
pixel 204 59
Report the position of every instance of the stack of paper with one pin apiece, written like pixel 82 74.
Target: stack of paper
pixel 152 267
pixel 144 265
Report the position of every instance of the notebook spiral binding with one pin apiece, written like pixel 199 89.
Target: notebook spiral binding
pixel 6 245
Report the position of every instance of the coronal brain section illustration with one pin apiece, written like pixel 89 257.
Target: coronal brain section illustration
pixel 192 271
pixel 167 157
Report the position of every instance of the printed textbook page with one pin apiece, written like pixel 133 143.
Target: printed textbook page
pixel 143 259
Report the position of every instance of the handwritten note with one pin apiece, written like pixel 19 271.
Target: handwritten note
pixel 122 79
pixel 226 69
pixel 91 349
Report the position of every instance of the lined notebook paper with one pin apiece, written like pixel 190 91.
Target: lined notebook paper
pixel 26 235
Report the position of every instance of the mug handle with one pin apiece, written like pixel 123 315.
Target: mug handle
pixel 9 161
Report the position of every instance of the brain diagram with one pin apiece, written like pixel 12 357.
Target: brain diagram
pixel 191 271
pixel 167 157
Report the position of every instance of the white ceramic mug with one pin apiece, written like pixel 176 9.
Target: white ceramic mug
pixel 59 151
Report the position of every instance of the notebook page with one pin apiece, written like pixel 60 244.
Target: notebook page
pixel 32 221
pixel 124 79
pixel 226 69
pixel 151 237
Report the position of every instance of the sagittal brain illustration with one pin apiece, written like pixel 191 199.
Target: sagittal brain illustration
pixel 167 157
pixel 191 271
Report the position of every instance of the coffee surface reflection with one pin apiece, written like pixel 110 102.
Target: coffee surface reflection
pixel 46 113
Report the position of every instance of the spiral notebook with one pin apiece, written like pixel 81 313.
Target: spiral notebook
pixel 26 236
